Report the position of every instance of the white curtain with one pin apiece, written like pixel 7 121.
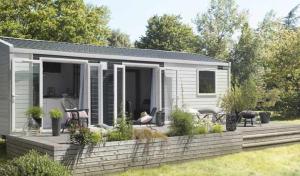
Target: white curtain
pixel 154 102
pixel 83 93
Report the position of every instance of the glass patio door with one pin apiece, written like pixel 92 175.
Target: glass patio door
pixel 96 93
pixel 26 90
pixel 119 92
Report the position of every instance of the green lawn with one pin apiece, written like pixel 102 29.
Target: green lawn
pixel 276 161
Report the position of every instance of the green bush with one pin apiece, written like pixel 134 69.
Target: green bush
pixel 85 137
pixel 201 130
pixel 122 132
pixel 35 112
pixel 55 113
pixel 217 128
pixel 288 105
pixel 182 123
pixel 113 136
pixel 243 97
pixel 33 164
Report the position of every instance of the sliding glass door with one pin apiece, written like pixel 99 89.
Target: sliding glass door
pixel 96 93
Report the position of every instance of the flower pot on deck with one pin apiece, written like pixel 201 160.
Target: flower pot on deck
pixel 231 122
pixel 56 127
pixel 264 117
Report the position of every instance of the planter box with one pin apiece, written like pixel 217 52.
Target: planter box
pixel 122 155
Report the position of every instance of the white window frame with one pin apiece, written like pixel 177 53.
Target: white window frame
pixel 197 82
pixel 116 67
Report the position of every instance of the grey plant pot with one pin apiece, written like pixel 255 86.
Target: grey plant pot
pixel 56 127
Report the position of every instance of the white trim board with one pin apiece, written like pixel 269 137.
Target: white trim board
pixel 115 57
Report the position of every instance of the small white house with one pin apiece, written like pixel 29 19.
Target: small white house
pixel 105 80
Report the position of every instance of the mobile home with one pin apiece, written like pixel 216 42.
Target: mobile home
pixel 105 80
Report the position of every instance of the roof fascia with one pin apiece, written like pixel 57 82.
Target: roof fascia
pixel 115 57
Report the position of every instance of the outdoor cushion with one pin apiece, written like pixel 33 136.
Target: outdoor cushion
pixel 145 119
pixel 83 114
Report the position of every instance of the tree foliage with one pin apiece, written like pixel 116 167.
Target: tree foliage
pixel 217 26
pixel 167 32
pixel 119 39
pixel 243 56
pixel 55 20
pixel 291 20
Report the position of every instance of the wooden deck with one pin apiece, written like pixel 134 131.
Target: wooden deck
pixel 119 156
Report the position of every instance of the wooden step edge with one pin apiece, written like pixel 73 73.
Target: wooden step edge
pixel 268 128
pixel 246 137
pixel 258 144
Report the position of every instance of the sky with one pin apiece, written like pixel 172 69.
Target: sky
pixel 130 16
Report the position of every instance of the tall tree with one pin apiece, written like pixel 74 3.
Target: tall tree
pixel 56 20
pixel 217 26
pixel 167 32
pixel 291 20
pixel 243 56
pixel 119 39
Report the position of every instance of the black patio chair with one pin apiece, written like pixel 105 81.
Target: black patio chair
pixel 79 116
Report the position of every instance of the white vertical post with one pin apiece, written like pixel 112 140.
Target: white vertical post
pixel 87 68
pixel 100 94
pixel 41 84
pixel 115 94
pixel 123 91
pixel 13 96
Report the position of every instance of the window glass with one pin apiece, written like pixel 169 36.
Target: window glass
pixel 206 82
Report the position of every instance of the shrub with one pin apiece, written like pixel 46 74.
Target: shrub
pixel 148 134
pixel 201 129
pixel 243 97
pixel 33 164
pixel 122 132
pixel 113 136
pixel 217 128
pixel 85 137
pixel 35 112
pixel 55 113
pixel 182 123
pixel 288 105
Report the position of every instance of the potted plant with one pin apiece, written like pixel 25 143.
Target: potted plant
pixel 56 115
pixel 264 117
pixel 238 99
pixel 35 114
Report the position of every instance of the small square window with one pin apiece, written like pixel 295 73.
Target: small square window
pixel 206 82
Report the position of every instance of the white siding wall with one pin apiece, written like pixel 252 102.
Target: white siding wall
pixel 187 87
pixel 4 90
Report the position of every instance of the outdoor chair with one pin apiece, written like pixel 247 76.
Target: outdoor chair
pixel 146 120
pixel 78 116
pixel 217 114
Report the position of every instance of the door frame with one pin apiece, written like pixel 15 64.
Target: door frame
pixel 155 67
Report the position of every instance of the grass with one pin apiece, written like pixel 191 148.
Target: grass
pixel 278 161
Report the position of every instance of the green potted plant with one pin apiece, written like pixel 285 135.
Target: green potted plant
pixel 34 114
pixel 243 97
pixel 56 115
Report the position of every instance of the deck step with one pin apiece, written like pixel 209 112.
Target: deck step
pixel 259 144
pixel 265 136
pixel 254 136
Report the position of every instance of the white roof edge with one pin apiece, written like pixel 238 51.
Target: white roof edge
pixel 116 57
pixel 6 43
